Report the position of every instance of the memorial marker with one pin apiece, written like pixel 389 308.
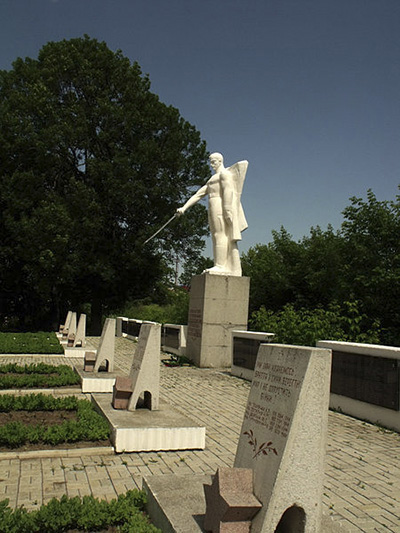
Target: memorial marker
pixel 105 352
pixel 71 330
pixel 67 325
pixel 80 337
pixel 283 436
pixel 66 322
pixel 145 370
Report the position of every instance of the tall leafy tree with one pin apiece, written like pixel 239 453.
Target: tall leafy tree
pixel 371 233
pixel 275 271
pixel 322 268
pixel 356 268
pixel 91 164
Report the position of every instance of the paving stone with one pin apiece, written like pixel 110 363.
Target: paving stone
pixel 358 454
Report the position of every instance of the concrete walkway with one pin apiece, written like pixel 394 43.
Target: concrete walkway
pixel 362 482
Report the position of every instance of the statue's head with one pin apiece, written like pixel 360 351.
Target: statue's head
pixel 216 160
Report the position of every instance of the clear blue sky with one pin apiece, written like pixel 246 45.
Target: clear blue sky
pixel 307 90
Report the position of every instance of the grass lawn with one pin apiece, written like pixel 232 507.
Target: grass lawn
pixel 27 343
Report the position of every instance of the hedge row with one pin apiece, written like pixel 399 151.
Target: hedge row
pixel 86 514
pixel 13 376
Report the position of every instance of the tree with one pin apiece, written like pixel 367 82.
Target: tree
pixel 92 163
pixel 307 326
pixel 356 268
pixel 275 271
pixel 371 233
pixel 193 267
pixel 321 270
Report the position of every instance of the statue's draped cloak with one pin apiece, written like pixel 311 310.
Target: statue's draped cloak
pixel 238 171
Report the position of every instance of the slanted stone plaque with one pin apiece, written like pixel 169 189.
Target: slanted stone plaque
pixel 70 332
pixel 80 337
pixel 283 436
pixel 67 325
pixel 72 325
pixel 66 322
pixel 145 371
pixel 105 352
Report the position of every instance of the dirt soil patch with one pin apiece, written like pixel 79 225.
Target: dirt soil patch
pixel 111 529
pixel 48 418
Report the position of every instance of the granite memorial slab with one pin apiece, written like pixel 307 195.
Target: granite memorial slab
pixel 145 371
pixel 283 436
pixel 64 325
pixel 93 378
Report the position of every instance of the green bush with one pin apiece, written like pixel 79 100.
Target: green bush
pixel 36 375
pixel 305 327
pixel 174 311
pixel 86 514
pixel 26 343
pixel 89 425
pixel 40 402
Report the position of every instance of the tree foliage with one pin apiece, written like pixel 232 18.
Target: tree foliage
pixel 193 267
pixel 371 271
pixel 356 268
pixel 92 163
pixel 307 326
pixel 174 309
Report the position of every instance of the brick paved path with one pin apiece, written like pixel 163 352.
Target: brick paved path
pixel 362 482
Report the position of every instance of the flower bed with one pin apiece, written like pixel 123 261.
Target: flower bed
pixel 13 376
pixel 86 426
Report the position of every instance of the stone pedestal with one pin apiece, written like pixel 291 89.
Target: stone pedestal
pixel 218 304
pixel 121 393
pixel 71 340
pixel 89 361
pixel 230 502
pixel 176 503
pixel 150 431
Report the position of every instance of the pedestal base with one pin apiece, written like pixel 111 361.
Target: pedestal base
pixel 176 504
pixel 218 304
pixel 74 352
pixel 150 431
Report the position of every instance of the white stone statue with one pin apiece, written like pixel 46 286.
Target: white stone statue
pixel 225 213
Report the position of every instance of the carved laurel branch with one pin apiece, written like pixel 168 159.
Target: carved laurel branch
pixel 262 449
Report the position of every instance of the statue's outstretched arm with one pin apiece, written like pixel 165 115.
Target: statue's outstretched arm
pixel 201 193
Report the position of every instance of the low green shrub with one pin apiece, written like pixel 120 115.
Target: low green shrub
pixel 86 514
pixel 89 425
pixel 13 376
pixel 26 343
pixel 40 402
